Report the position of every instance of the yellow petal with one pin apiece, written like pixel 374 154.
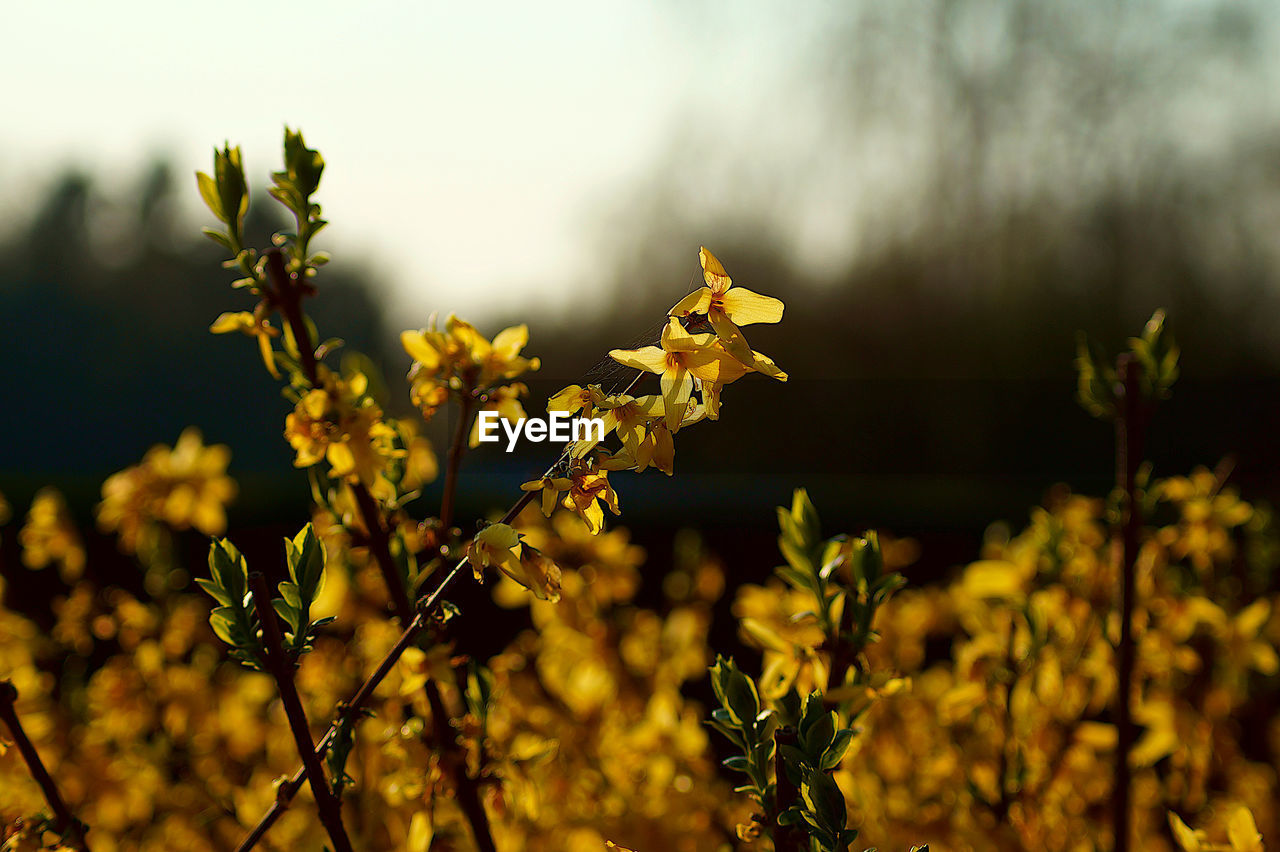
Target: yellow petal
pixel 498 536
pixel 713 272
pixel 569 400
pixel 676 339
pixel 1242 831
pixel 232 321
pixel 593 515
pixel 715 366
pixel 650 359
pixel 415 343
pixel 1183 834
pixel 745 307
pixel 677 386
pixel 510 341
pixel 696 302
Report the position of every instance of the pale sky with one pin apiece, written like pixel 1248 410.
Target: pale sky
pixel 469 146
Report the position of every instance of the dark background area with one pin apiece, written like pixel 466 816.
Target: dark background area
pixel 1069 172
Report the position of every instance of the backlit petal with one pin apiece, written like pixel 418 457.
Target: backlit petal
pixel 745 307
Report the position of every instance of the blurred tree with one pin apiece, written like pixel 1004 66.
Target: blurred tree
pixel 106 301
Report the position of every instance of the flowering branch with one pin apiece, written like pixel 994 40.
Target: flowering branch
pixel 66 824
pixel 281 669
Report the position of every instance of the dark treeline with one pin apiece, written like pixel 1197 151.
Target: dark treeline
pixel 1059 190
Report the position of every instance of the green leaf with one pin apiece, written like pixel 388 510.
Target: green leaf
pixel 214 591
pixel 835 753
pixel 806 517
pixel 290 614
pixel 233 194
pixel 306 558
pixel 209 193
pixel 229 570
pixel 222 620
pixel 303 165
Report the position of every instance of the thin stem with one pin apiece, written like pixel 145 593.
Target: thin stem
pixel 454 762
pixel 282 671
pixel 1130 427
pixel 380 545
pixel 288 294
pixel 456 451
pixel 66 825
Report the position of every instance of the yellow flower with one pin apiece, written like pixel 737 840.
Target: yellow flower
pixel 589 487
pixel 576 398
pixel 628 416
pixel 682 358
pixel 461 353
pixel 49 536
pixel 247 323
pixel 727 307
pixel 550 486
pixel 186 486
pixel 339 422
pixel 499 546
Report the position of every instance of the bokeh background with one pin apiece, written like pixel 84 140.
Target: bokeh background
pixel 943 192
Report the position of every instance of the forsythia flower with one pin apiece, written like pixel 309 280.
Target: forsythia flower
pixel 682 358
pixel 461 360
pixel 339 422
pixel 499 546
pixel 588 489
pixel 184 487
pixel 726 308
pixel 259 329
pixel 50 536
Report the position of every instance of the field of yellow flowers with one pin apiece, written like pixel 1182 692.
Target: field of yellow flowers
pixel 1103 679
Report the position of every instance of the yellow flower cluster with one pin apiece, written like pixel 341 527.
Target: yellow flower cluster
pixel 183 487
pixel 50 537
pixel 588 739
pixel 701 350
pixel 339 422
pixel 461 361
pixel 1007 743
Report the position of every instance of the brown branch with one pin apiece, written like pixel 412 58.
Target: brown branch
pixel 456 451
pixel 65 822
pixel 453 761
pixel 288 292
pixel 380 546
pixel 786 838
pixel 281 668
pixel 1130 429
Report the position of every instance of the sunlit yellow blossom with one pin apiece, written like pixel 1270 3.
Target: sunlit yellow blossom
pixel 590 487
pixel 551 487
pixel 461 352
pixel 680 359
pixel 727 307
pixel 499 546
pixel 246 323
pixel 576 398
pixel 340 423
